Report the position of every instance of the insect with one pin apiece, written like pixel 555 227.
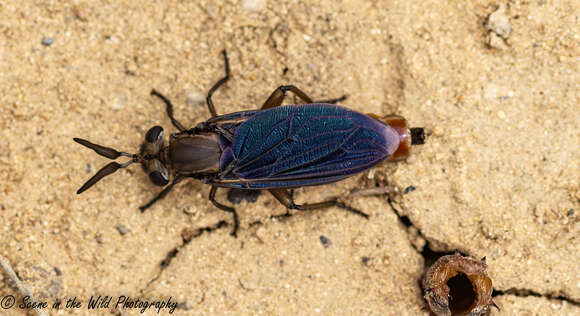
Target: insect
pixel 275 148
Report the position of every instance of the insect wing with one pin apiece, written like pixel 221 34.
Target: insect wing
pixel 292 145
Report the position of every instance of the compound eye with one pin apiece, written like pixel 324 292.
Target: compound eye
pixel 159 178
pixel 158 173
pixel 154 133
pixel 153 141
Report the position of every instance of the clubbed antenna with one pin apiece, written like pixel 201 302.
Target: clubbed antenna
pixel 101 150
pixel 109 168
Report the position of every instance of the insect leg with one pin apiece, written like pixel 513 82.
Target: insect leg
pixel 332 101
pixel 169 108
pixel 278 95
pixel 217 85
pixel 284 197
pixel 161 194
pixel 225 208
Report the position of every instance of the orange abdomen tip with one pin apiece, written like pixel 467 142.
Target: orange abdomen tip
pixel 407 136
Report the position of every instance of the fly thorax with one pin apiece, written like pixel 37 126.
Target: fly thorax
pixel 198 153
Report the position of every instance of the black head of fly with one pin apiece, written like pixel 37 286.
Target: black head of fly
pixel 150 157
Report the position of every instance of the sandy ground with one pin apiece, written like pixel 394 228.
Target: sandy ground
pixel 498 176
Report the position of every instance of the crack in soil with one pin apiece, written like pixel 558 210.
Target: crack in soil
pixel 430 256
pixel 527 293
pixel 187 237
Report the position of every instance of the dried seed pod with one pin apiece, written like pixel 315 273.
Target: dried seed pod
pixel 457 285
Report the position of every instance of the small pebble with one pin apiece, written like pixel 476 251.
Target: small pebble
pixel 495 41
pixel 120 101
pixel 194 98
pixel 325 241
pixel 122 229
pixel 254 5
pixel 47 41
pixel 409 189
pixel 494 92
pixel 499 23
pixel 498 28
pixel 80 13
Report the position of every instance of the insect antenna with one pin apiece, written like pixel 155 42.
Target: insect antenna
pixel 102 150
pixel 110 167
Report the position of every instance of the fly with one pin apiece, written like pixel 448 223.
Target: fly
pixel 275 148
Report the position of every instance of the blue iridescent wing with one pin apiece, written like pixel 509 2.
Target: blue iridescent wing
pixel 299 145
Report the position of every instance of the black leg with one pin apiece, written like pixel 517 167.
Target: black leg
pixel 217 85
pixel 284 197
pixel 169 108
pixel 225 208
pixel 161 194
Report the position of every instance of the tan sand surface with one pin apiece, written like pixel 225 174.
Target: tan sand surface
pixel 498 175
